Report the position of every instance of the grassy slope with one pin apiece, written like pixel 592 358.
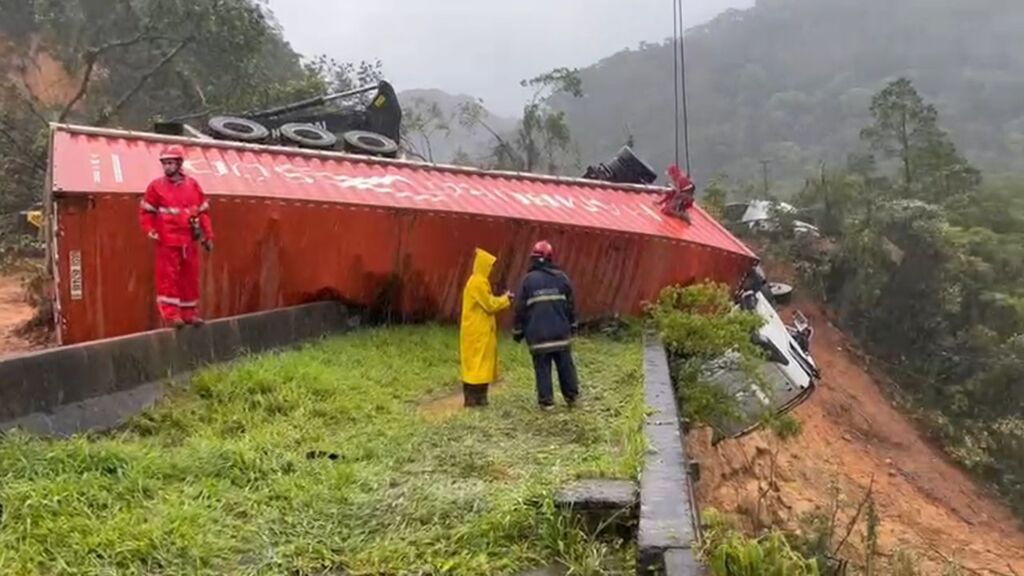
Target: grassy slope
pixel 218 479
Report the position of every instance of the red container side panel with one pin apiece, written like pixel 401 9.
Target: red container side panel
pixel 272 254
pixel 279 251
pixel 123 163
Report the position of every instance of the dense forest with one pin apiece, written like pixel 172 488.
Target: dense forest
pixel 125 63
pixel 923 263
pixel 790 81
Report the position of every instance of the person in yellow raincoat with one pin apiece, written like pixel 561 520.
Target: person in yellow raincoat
pixel 478 331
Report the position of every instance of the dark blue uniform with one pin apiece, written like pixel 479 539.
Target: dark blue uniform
pixel 546 318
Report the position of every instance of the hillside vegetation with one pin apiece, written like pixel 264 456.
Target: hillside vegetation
pixel 123 64
pixel 922 266
pixel 434 130
pixel 790 81
pixel 925 268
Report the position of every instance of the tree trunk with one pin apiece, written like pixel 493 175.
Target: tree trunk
pixel 905 143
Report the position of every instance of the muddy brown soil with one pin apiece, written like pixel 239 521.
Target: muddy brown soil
pixel 40 72
pixel 853 437
pixel 14 313
pixel 445 406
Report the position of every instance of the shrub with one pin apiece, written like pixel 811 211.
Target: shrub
pixel 729 553
pixel 699 324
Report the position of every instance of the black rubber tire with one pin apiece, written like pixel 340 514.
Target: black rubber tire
pixel 781 293
pixel 241 129
pixel 308 135
pixel 363 142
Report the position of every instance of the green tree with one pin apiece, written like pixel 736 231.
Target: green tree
pixel 835 199
pixel 928 277
pixel 462 158
pixel 776 78
pixel 543 137
pixel 129 61
pixel 906 129
pixel 700 324
pixel 422 123
pixel 714 197
pixel 340 76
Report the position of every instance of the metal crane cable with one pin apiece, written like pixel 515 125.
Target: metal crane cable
pixel 679 83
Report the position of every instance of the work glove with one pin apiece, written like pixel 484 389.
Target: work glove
pixel 153 235
pixel 208 245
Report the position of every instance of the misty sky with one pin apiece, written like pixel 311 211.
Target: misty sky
pixel 480 47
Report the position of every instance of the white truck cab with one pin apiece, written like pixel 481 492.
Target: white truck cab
pixel 778 384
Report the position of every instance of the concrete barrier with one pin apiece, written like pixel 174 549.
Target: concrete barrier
pixel 100 381
pixel 668 526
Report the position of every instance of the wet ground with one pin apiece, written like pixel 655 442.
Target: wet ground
pixel 853 437
pixel 14 313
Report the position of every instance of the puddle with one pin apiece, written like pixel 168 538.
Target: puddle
pixel 442 408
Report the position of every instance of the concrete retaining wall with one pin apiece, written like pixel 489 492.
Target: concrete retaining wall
pixel 668 525
pixel 116 375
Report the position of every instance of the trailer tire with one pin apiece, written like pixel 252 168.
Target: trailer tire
pixel 781 293
pixel 364 142
pixel 241 129
pixel 308 135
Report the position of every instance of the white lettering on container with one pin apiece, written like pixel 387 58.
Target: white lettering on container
pixel 77 288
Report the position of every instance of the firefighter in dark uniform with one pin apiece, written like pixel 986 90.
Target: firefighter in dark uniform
pixel 546 318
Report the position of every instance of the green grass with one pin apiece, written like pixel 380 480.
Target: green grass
pixel 218 478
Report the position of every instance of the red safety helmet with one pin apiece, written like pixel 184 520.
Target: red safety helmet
pixel 174 152
pixel 543 249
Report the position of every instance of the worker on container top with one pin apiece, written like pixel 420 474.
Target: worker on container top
pixel 546 316
pixel 175 214
pixel 478 332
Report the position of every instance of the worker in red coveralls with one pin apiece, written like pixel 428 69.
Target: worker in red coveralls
pixel 679 201
pixel 175 215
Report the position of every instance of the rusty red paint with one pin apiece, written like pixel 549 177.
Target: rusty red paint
pixel 293 226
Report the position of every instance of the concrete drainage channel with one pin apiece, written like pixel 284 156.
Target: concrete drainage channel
pixel 666 524
pixel 97 385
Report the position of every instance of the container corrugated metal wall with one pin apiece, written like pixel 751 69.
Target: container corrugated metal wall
pixel 293 227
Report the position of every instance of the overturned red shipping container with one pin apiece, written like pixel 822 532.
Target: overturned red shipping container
pixel 294 226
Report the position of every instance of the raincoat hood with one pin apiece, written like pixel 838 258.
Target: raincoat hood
pixel 478 334
pixel 483 263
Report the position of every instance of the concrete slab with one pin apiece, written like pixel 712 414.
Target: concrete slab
pixel 34 387
pixel 658 391
pixel 603 506
pixel 668 526
pixel 100 413
pixel 666 511
pixel 598 494
pixel 682 563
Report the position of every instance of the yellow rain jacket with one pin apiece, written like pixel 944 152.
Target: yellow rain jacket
pixel 478 331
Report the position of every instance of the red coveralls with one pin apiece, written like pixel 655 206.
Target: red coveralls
pixel 166 209
pixel 680 200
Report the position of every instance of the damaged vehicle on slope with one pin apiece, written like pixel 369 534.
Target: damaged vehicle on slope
pixel 784 379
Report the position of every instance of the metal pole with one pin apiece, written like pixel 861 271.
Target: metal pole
pixel 310 102
pixel 764 171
